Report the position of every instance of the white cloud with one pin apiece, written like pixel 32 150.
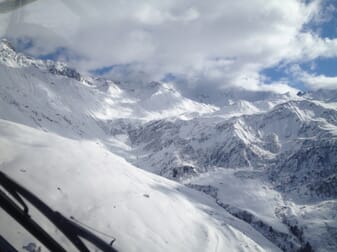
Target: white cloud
pixel 210 42
pixel 310 46
pixel 320 81
pixel 313 81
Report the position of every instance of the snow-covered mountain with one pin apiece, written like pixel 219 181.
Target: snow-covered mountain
pixel 255 170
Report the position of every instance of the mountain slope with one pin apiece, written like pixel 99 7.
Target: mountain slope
pixel 266 160
pixel 143 211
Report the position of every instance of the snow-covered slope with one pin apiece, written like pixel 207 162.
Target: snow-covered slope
pixel 165 146
pixel 143 211
pixel 68 92
pixel 267 161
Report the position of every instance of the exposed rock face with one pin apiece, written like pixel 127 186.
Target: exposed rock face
pixel 311 171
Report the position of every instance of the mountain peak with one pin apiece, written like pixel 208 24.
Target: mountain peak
pixel 62 69
pixel 5 44
pixel 10 57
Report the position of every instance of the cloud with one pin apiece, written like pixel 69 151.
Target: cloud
pixel 320 81
pixel 311 46
pixel 213 43
pixel 312 80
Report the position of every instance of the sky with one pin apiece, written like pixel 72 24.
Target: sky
pixel 254 44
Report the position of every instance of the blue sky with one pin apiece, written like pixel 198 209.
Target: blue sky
pixel 254 44
pixel 319 66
